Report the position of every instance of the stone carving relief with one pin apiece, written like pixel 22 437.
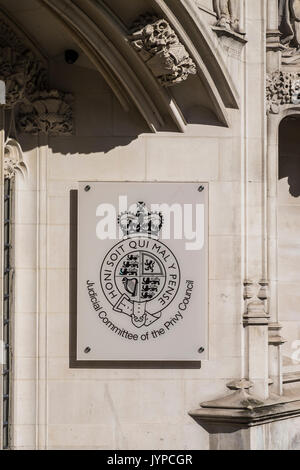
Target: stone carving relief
pixel 26 83
pixel 13 159
pixel 228 14
pixel 48 113
pixel 160 48
pixel 21 71
pixel 283 88
pixel 289 27
pixel 20 74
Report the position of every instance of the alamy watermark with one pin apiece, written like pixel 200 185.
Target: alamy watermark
pixel 169 222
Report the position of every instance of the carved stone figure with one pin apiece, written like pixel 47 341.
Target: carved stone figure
pixel 228 14
pixel 21 71
pixel 289 26
pixel 159 46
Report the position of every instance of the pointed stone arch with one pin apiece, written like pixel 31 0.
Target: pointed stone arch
pixel 106 39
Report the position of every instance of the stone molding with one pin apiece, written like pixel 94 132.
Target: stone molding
pixel 256 296
pixel 291 378
pixel 239 37
pixel 275 338
pixel 273 41
pixel 232 42
pixel 283 88
pixel 243 410
pixel 247 418
pixel 239 399
pixel 259 290
pixel 26 82
pixel 160 48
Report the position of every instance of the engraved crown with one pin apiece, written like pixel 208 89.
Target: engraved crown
pixel 140 222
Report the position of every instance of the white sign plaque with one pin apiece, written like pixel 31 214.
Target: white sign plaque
pixel 142 272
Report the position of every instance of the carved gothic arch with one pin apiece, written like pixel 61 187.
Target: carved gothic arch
pixel 105 38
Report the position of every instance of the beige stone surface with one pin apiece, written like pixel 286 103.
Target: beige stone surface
pixel 165 155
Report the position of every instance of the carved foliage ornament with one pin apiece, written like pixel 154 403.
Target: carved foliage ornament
pixel 26 84
pixel 160 48
pixel 48 113
pixel 283 88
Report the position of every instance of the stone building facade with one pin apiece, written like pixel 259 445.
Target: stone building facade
pixel 147 91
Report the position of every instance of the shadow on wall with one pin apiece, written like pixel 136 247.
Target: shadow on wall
pixel 102 124
pixel 289 153
pixel 77 146
pixel 93 133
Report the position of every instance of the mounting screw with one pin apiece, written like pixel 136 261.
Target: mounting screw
pixel 201 189
pixel 201 350
pixel 87 350
pixel 87 189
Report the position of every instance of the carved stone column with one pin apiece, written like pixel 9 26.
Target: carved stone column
pixel 275 358
pixel 283 98
pixel 256 322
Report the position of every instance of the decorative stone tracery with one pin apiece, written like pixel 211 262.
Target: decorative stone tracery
pixel 13 159
pixel 283 88
pixel 159 46
pixel 256 297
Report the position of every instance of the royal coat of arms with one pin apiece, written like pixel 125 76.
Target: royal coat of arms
pixel 140 276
